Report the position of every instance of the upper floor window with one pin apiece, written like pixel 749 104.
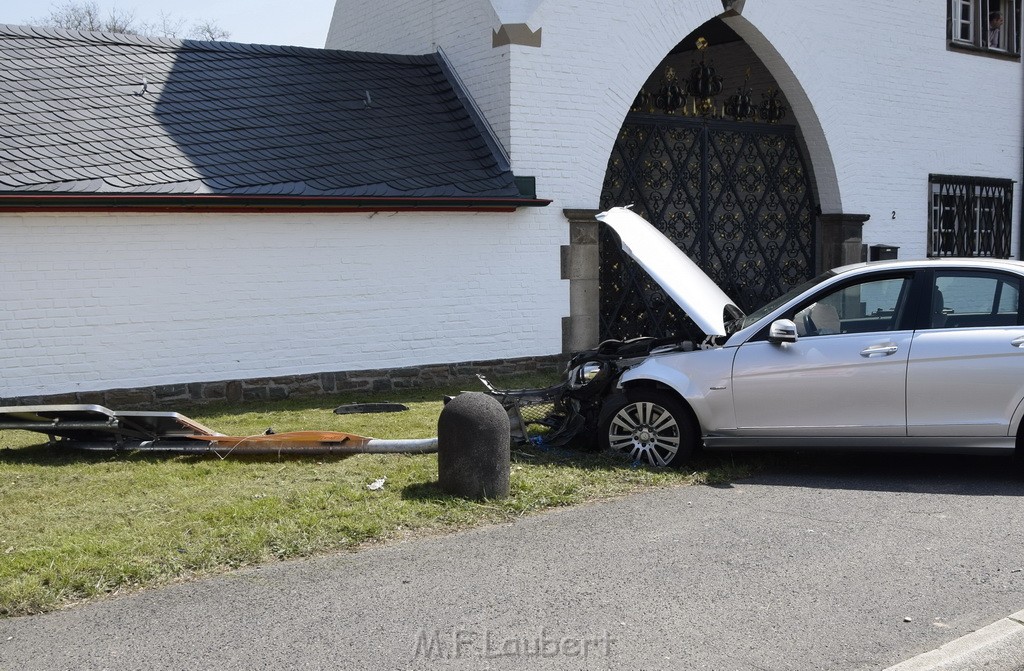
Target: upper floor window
pixel 986 25
pixel 970 216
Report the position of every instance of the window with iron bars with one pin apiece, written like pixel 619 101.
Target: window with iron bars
pixel 970 216
pixel 991 26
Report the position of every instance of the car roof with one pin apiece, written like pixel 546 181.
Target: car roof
pixel 972 263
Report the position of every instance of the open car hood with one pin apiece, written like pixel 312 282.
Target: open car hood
pixel 702 300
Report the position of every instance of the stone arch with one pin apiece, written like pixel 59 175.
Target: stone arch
pixel 637 48
pixel 823 165
pixel 650 49
pixel 640 44
pixel 737 195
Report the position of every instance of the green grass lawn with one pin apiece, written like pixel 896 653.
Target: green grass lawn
pixel 78 525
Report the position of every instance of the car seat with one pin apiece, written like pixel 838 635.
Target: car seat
pixel 821 319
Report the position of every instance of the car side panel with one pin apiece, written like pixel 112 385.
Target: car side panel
pixel 1016 420
pixel 849 384
pixel 700 377
pixel 965 382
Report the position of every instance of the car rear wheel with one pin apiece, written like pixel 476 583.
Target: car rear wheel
pixel 651 426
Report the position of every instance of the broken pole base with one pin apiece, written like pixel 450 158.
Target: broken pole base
pixel 473 447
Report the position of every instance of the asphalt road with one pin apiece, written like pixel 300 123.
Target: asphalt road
pixel 844 563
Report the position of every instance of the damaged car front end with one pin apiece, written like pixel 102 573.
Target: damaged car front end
pixel 591 407
pixel 572 410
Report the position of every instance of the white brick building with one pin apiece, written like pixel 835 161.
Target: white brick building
pixel 881 96
pixel 888 100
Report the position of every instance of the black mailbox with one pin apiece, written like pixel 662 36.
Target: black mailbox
pixel 883 253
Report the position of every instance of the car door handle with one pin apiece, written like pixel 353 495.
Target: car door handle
pixel 879 350
pixel 1018 342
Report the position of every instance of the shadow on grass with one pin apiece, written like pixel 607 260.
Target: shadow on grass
pixel 425 491
pixel 712 468
pixel 44 454
pixel 58 456
pixel 966 475
pixel 716 470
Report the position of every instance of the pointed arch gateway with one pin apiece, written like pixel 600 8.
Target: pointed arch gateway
pixel 707 156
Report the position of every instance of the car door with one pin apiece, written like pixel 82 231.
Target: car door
pixel 844 376
pixel 966 370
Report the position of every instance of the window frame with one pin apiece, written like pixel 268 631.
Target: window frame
pixel 958 22
pixel 929 283
pixel 981 225
pixel 903 321
pixel 976 25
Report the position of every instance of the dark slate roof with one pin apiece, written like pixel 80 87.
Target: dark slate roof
pixel 123 115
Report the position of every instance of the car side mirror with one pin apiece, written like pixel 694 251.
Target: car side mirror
pixel 782 330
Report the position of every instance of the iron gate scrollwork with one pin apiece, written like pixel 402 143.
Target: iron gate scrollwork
pixel 735 197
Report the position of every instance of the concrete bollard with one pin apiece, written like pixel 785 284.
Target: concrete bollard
pixel 473 447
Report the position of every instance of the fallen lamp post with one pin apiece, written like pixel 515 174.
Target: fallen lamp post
pixel 95 428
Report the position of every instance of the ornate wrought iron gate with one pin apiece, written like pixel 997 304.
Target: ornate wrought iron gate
pixel 735 197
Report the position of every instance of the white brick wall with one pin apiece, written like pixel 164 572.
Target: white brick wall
pixel 896 105
pixel 880 100
pixel 463 28
pixel 101 302
pixel 96 302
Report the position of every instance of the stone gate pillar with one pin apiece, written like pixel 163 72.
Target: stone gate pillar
pixel 581 264
pixel 841 239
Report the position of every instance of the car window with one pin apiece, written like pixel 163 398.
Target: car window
pixel 874 305
pixel 973 300
pixel 767 309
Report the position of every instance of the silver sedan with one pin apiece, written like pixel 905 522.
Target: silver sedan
pixel 910 355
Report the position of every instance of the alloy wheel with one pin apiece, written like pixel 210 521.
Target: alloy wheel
pixel 647 431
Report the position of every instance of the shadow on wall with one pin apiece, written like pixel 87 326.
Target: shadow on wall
pixel 253 120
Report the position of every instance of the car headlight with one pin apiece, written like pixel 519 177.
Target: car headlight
pixel 584 373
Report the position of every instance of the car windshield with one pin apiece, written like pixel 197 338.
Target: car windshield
pixel 765 310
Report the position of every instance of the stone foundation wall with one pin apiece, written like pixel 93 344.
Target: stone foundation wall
pixel 300 386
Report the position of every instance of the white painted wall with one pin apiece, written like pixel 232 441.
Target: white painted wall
pixel 463 28
pixel 97 302
pixel 896 105
pixel 880 100
pixel 103 302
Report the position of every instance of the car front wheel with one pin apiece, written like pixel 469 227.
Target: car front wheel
pixel 650 425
